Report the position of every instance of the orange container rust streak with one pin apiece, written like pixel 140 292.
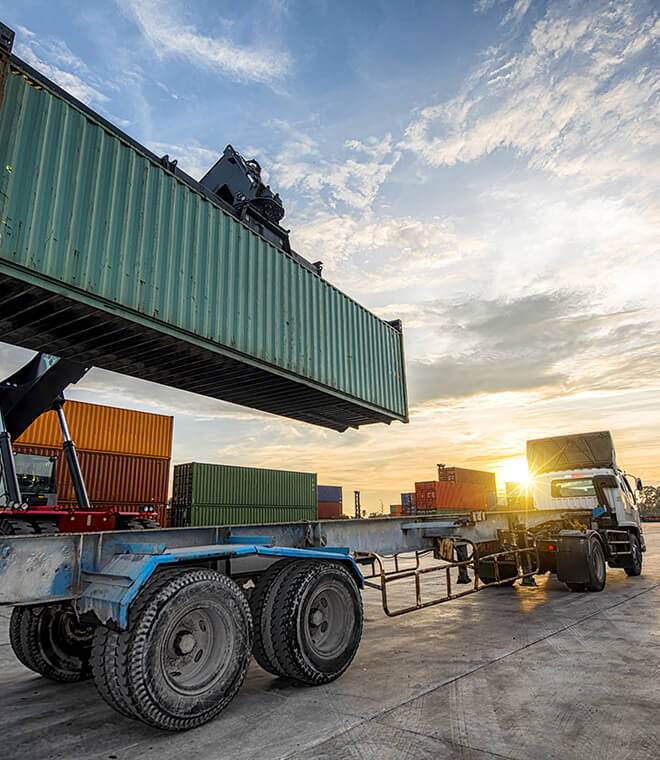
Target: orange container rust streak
pixel 110 479
pixel 105 428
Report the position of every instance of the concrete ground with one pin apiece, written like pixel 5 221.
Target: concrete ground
pixel 519 673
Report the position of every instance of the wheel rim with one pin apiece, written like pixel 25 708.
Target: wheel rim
pixel 328 619
pixel 63 637
pixel 197 650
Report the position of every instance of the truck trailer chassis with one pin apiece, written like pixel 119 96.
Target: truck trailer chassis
pixel 166 621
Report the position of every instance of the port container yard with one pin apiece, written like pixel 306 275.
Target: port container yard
pixel 511 651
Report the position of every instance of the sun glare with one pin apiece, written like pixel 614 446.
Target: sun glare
pixel 514 470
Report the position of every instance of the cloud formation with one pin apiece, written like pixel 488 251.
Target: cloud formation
pixel 578 98
pixel 164 29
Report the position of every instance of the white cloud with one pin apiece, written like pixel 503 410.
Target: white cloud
pixel 55 60
pixel 577 100
pixel 164 29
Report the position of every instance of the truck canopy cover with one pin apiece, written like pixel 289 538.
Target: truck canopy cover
pixel 111 256
pixel 571 452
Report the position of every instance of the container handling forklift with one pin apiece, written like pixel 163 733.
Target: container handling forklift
pixel 28 489
pixel 194 285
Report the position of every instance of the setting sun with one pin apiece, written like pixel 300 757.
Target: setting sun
pixel 514 470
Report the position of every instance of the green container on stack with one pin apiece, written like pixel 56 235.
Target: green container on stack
pixel 216 494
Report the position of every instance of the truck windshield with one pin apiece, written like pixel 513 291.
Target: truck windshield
pixel 572 487
pixel 35 473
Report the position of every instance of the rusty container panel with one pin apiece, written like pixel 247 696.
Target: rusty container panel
pixel 108 429
pixel 482 478
pixel 111 479
pixel 329 510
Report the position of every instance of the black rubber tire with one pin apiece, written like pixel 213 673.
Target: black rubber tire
pixel 148 664
pixel 129 524
pixel 109 666
pixel 15 639
pixel 44 525
pixel 635 567
pixel 51 641
pixel 15 526
pixel 597 568
pixel 487 574
pixel 148 523
pixel 299 655
pixel 261 605
pixel 577 586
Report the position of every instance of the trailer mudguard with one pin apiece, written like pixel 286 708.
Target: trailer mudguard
pixel 573 557
pixel 108 593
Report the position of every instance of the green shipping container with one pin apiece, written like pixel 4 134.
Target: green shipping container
pixel 223 515
pixel 112 258
pixel 227 485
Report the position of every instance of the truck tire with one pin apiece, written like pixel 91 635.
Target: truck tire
pixel 187 650
pixel 136 523
pixel 109 667
pixel 51 641
pixel 635 566
pixel 15 636
pixel 261 605
pixel 316 624
pixel 46 526
pixel 15 526
pixel 597 569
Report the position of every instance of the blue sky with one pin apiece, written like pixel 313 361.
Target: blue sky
pixel 486 171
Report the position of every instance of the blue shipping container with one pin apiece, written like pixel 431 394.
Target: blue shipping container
pixel 330 493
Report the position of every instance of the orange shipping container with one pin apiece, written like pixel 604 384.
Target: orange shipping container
pixel 105 428
pixel 110 479
pixel 432 494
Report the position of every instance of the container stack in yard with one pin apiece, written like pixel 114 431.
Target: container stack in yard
pixel 219 494
pixel 124 455
pixel 329 502
pixel 433 495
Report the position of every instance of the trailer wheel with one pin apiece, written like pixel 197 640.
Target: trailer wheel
pixel 635 567
pixel 261 604
pixel 108 660
pixel 52 641
pixel 15 636
pixel 15 526
pixel 317 622
pixel 187 650
pixel 597 569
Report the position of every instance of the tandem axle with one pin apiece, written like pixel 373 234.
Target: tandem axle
pixel 166 621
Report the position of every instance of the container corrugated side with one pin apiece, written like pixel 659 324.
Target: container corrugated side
pixel 200 483
pixel 330 493
pixel 201 515
pixel 468 476
pixel 94 427
pixel 329 509
pixel 110 478
pixel 93 220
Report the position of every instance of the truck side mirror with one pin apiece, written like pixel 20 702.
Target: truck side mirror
pixel 638 484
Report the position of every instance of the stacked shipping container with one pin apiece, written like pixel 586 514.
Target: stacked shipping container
pixel 432 495
pixel 217 494
pixel 464 476
pixel 329 502
pixel 124 455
